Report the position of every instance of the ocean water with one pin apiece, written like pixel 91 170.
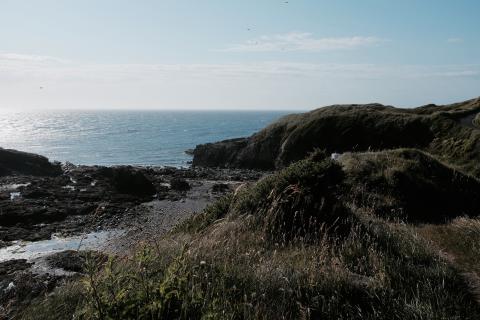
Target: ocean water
pixel 125 137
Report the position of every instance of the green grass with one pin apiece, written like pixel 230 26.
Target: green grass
pixel 62 303
pixel 411 185
pixel 292 246
pixel 383 272
pixel 355 128
pixel 476 120
pixel 213 212
pixel 459 240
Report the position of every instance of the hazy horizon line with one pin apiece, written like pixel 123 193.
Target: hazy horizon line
pixel 216 109
pixel 27 109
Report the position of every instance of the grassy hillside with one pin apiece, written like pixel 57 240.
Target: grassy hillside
pixel 319 239
pixel 448 132
pixel 410 185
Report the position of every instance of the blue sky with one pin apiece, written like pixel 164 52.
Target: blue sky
pixel 295 54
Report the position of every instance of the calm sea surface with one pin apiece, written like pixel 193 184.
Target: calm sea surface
pixel 125 137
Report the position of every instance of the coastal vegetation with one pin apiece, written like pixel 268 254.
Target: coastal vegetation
pixel 385 229
pixel 293 245
pixel 444 131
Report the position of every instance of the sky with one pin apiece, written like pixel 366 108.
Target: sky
pixel 245 54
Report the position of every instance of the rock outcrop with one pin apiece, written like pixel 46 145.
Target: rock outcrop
pixel 440 130
pixel 128 180
pixel 17 162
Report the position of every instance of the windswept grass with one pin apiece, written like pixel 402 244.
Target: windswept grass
pixel 410 184
pixel 439 130
pixel 63 303
pixel 459 240
pixel 291 246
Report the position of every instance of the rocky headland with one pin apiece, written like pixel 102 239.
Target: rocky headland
pixel 344 212
pixel 448 131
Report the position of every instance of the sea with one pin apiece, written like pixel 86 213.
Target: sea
pixel 146 138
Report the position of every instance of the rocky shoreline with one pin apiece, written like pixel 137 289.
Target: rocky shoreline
pixel 68 201
pixel 417 165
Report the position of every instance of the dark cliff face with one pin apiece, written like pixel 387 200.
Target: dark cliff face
pixel 343 128
pixel 218 154
pixel 13 161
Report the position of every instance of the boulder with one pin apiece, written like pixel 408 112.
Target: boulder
pixel 179 184
pixel 128 180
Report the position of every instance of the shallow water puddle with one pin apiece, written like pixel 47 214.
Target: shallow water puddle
pixel 13 186
pixel 69 187
pixel 12 189
pixel 14 195
pixel 37 249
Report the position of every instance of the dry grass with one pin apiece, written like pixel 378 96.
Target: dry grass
pixel 411 185
pixel 354 128
pixel 459 240
pixel 273 251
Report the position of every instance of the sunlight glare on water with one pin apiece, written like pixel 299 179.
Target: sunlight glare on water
pixel 37 249
pixel 125 137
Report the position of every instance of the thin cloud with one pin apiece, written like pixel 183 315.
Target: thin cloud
pixel 296 41
pixel 455 40
pixel 22 66
pixel 18 57
pixel 282 84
